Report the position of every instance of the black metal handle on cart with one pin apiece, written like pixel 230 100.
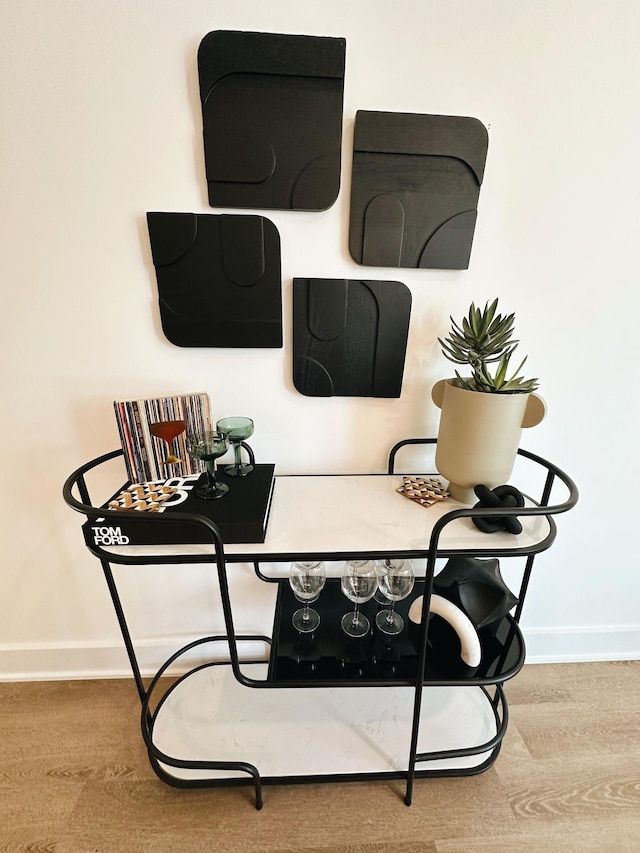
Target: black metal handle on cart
pixel 85 507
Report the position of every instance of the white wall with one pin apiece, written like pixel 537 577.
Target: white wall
pixel 101 122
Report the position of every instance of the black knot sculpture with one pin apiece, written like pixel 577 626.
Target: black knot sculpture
pixel 501 496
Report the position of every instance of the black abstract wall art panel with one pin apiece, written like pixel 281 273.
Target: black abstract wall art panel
pixel 272 119
pixel 415 187
pixel 349 337
pixel 219 279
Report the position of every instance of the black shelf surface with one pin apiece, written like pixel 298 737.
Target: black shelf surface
pixel 329 656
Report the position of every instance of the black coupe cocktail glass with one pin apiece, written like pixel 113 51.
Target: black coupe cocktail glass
pixel 208 446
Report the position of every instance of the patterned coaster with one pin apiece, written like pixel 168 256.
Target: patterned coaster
pixel 143 497
pixel 423 490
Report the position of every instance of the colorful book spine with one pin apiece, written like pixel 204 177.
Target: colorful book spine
pixel 125 440
pixel 145 454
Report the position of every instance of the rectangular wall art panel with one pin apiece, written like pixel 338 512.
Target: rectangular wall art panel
pixel 349 337
pixel 272 119
pixel 219 279
pixel 415 187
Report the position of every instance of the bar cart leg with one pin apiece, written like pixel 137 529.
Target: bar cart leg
pixel 257 784
pixel 124 629
pixel 411 770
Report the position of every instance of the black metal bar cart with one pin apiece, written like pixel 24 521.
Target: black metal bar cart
pixel 374 708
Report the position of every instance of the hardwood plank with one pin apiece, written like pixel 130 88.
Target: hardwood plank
pixel 574 787
pixel 561 838
pixel 566 729
pixel 603 683
pixel 589 710
pixel 514 749
pixel 37 804
pixel 300 817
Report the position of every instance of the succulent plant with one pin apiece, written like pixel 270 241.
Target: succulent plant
pixel 483 338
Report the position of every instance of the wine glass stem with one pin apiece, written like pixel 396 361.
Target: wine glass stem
pixel 236 452
pixel 356 615
pixel 390 613
pixel 211 473
pixel 305 612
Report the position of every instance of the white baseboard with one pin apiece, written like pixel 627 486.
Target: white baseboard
pixel 591 643
pixel 33 662
pixel 104 660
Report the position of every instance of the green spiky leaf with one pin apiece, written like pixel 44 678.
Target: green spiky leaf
pixel 485 337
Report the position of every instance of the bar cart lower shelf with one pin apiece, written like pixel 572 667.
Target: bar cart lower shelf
pixel 350 721
pixel 292 735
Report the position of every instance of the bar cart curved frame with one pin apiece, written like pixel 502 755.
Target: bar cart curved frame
pixel 448 532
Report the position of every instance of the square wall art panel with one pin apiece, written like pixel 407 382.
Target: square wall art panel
pixel 415 187
pixel 349 337
pixel 272 119
pixel 219 279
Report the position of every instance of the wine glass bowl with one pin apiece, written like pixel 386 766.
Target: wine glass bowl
pixel 167 431
pixel 237 429
pixel 359 581
pixel 207 447
pixel 307 580
pixel 395 580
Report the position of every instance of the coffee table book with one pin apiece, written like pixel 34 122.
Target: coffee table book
pixel 241 515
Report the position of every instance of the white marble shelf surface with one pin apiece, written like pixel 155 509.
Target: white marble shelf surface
pixel 293 732
pixel 323 514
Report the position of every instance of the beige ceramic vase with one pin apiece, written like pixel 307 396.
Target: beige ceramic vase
pixel 479 435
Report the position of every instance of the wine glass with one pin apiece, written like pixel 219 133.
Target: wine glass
pixel 359 582
pixel 208 446
pixel 396 579
pixel 378 595
pixel 237 429
pixel 167 431
pixel 306 580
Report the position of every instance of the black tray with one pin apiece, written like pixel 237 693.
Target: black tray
pixel 330 656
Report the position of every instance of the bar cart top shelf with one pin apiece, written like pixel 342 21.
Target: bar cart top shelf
pixel 332 516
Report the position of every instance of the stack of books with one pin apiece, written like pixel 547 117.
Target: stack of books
pixel 144 454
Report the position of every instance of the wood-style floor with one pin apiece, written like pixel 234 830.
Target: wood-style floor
pixel 74 776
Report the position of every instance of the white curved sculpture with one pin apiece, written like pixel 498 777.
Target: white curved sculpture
pixel 459 621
